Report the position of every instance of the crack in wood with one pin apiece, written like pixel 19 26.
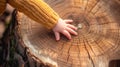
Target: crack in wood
pixel 90 57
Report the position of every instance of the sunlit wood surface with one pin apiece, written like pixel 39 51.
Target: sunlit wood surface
pixel 96 45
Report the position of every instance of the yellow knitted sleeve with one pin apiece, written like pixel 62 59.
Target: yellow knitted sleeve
pixel 37 10
pixel 2 6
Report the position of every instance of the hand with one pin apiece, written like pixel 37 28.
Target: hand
pixel 64 27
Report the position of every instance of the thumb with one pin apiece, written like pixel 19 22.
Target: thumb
pixel 57 35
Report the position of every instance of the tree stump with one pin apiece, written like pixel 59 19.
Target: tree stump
pixel 97 43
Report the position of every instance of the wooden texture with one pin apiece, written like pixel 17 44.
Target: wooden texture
pixel 96 45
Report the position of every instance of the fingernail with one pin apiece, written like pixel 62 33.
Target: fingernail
pixel 57 39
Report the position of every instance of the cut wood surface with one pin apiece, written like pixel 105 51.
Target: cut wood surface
pixel 97 43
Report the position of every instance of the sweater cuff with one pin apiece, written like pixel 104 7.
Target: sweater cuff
pixel 52 23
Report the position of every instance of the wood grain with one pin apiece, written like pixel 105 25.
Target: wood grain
pixel 96 45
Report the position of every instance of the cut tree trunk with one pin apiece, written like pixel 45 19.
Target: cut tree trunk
pixel 97 43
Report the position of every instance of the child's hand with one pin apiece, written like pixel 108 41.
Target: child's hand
pixel 64 27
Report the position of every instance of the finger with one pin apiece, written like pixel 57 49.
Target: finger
pixel 71 31
pixel 67 34
pixel 72 27
pixel 68 21
pixel 57 36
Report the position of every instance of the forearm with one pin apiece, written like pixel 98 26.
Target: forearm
pixel 37 10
